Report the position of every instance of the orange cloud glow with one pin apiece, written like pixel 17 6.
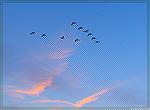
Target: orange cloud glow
pixel 41 86
pixel 37 89
pixel 80 103
pixel 86 100
pixel 91 98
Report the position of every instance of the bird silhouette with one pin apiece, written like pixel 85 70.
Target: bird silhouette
pixel 89 34
pixel 73 23
pixel 86 31
pixel 97 42
pixel 77 40
pixel 80 28
pixel 32 33
pixel 43 35
pixel 62 37
pixel 93 38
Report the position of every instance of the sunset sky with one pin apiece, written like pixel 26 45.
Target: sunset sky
pixel 50 72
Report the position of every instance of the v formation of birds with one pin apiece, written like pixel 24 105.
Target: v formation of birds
pixel 89 34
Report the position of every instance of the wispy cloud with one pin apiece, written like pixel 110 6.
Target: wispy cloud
pixel 36 89
pixel 56 71
pixel 91 98
pixel 60 54
pixel 80 103
pixel 97 95
pixel 57 101
pixel 42 85
pixel 83 101
pixel 7 89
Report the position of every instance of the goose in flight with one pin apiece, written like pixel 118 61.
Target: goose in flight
pixel 89 34
pixel 76 40
pixel 43 35
pixel 32 33
pixel 62 37
pixel 93 38
pixel 73 23
pixel 97 42
pixel 86 31
pixel 80 28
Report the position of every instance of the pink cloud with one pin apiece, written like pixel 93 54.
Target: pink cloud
pixel 60 54
pixel 10 90
pixel 57 101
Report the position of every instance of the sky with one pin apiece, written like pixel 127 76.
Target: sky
pixel 50 72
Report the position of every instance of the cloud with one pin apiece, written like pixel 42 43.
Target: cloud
pixel 10 90
pixel 60 54
pixel 42 85
pixel 58 69
pixel 18 96
pixel 83 101
pixel 91 98
pixel 80 103
pixel 57 101
pixel 36 89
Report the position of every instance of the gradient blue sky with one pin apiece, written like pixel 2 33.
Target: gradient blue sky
pixel 121 55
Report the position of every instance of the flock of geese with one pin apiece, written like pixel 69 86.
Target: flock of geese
pixel 78 28
pixel 86 31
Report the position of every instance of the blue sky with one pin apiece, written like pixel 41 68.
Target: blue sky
pixel 73 71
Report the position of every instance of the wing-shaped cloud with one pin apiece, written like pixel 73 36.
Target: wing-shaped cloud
pixel 83 101
pixel 80 103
